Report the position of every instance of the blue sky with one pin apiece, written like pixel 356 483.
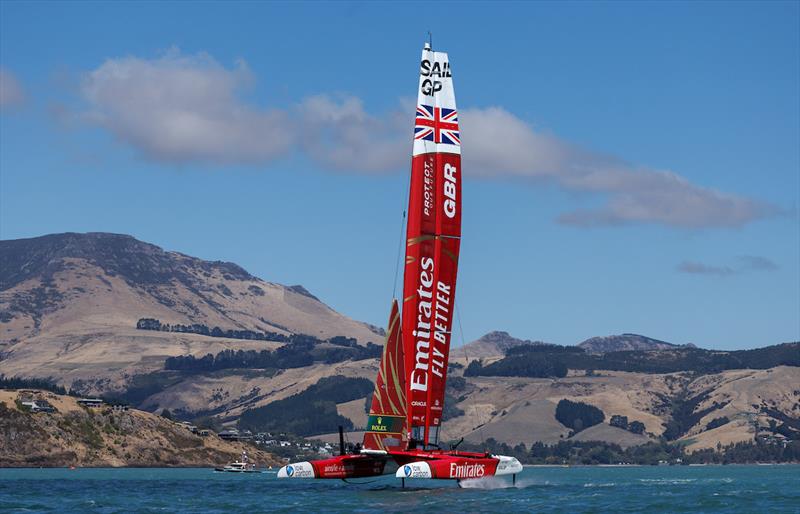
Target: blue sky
pixel 652 185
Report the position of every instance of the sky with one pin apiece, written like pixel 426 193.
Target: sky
pixel 629 167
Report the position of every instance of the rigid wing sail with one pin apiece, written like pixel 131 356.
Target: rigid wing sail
pixel 402 431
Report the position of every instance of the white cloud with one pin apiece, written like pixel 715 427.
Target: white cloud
pixel 184 109
pixel 757 263
pixel 698 268
pixel 341 135
pixel 180 108
pixel 11 92
pixel 497 144
pixel 746 263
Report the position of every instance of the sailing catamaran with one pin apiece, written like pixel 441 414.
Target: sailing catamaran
pixel 405 416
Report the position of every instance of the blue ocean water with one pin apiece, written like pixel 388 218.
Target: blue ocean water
pixel 746 489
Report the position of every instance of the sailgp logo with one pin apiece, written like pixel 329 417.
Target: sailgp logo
pixel 407 470
pixel 432 72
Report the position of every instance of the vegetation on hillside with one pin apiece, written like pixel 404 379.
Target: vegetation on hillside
pixel 31 383
pixel 140 387
pixel 684 414
pixel 523 365
pixel 198 328
pixel 578 415
pixel 598 452
pixel 296 354
pixel 454 393
pixel 310 412
pixel 619 421
pixel 553 360
pixel 249 335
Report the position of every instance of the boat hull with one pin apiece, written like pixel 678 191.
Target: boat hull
pixel 411 464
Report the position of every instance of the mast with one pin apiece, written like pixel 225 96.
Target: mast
pixel 432 246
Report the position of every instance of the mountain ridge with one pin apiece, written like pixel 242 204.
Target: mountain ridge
pixel 494 344
pixel 70 303
pixel 497 342
pixel 194 288
pixel 627 342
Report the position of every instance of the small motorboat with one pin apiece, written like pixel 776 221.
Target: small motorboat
pixel 240 466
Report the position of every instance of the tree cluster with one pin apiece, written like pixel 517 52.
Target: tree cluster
pixel 553 360
pixel 310 412
pixel 652 453
pixel 536 365
pixel 198 328
pixel 296 354
pixel 578 415
pixel 636 427
pixel 717 422
pixel 31 383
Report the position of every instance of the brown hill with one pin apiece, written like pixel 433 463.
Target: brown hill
pixel 626 342
pixel 493 344
pixel 69 304
pixel 522 410
pixel 100 437
pixel 515 409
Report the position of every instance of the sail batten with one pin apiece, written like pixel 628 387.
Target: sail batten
pixel 433 242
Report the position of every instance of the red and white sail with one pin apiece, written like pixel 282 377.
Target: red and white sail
pixel 432 244
pixel 405 416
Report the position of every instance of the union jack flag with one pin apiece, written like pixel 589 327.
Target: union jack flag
pixel 437 124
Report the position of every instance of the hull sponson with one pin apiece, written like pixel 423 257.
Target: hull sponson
pixel 341 466
pixel 460 467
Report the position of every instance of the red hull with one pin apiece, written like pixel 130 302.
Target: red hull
pixel 437 464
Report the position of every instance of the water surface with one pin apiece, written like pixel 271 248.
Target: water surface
pixel 746 489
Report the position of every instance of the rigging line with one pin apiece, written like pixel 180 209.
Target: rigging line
pixel 461 330
pixel 402 228
pixel 400 241
pixel 466 360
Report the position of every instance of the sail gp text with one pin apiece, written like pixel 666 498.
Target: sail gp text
pixel 432 72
